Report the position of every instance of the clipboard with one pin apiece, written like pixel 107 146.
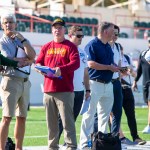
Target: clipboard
pixel 19 54
pixel 48 71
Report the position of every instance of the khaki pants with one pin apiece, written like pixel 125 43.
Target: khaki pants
pixel 60 103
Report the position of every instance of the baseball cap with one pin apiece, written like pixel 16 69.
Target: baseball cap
pixel 58 21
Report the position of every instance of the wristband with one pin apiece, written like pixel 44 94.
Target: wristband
pixel 88 91
pixel 24 40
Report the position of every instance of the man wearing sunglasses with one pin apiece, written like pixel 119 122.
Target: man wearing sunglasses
pixel 117 90
pixel 81 77
pixel 144 68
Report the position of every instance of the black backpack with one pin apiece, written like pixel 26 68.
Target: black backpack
pixel 9 144
pixel 105 141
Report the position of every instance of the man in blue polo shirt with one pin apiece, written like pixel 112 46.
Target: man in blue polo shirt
pixel 101 68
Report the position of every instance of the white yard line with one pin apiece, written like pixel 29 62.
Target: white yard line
pixel 45 136
pixel 33 122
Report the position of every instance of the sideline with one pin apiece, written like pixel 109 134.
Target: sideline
pixel 124 147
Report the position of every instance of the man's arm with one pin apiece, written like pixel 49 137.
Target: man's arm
pixel 74 61
pixel 86 79
pixel 86 83
pixel 30 52
pixel 139 70
pixel 139 73
pixel 97 66
pixel 7 62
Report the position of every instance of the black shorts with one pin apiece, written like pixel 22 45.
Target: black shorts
pixel 146 92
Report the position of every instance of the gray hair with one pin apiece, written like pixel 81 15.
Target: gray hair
pixel 104 26
pixel 8 15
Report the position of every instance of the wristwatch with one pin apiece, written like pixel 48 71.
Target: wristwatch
pixel 88 91
pixel 24 40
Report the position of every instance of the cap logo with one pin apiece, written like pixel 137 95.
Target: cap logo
pixel 58 20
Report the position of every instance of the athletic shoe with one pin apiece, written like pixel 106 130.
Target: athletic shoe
pixel 146 130
pixel 126 141
pixel 86 148
pixel 139 141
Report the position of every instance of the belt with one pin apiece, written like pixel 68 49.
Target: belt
pixel 113 80
pixel 126 86
pixel 17 78
pixel 101 81
pixel 25 79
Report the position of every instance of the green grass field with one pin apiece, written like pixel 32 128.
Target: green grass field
pixel 36 129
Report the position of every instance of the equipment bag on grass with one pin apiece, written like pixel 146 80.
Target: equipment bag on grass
pixel 101 141
pixel 9 144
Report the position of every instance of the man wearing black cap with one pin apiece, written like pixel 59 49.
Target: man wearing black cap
pixel 62 56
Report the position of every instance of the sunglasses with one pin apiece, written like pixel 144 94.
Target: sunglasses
pixel 79 36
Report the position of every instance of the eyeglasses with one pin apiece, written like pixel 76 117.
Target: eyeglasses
pixel 79 36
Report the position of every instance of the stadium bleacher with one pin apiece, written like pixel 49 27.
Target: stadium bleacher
pixel 86 23
pixel 142 28
pixel 42 27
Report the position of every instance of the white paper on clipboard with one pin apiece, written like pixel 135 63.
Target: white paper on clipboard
pixel 21 53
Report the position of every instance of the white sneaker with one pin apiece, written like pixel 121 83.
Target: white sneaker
pixel 146 130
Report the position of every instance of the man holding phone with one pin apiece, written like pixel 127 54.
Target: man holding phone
pixel 118 98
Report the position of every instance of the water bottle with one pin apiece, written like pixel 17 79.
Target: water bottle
pixel 89 143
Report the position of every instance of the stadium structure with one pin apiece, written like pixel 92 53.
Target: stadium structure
pixel 34 18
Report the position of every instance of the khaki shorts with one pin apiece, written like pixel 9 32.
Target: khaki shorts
pixel 14 94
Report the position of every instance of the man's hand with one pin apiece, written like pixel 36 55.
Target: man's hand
pixel 23 64
pixel 87 94
pixel 18 35
pixel 125 72
pixel 113 68
pixel 42 73
pixel 57 72
pixel 134 86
